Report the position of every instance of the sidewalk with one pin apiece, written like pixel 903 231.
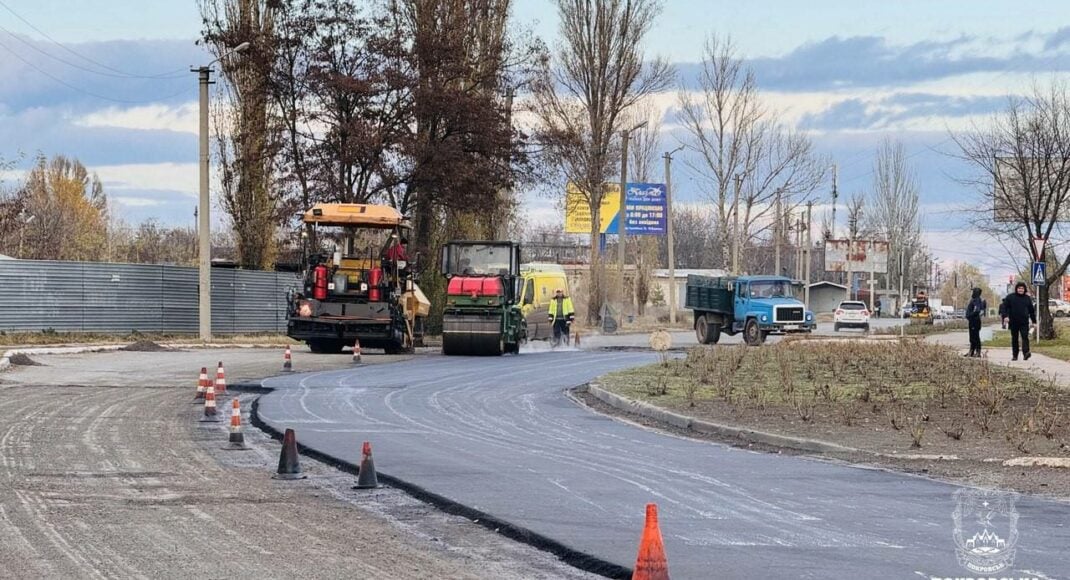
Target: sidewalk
pixel 1043 367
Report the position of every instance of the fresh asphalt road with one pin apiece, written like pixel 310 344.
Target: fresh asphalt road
pixel 500 436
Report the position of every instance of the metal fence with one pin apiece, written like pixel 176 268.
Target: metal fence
pixel 103 297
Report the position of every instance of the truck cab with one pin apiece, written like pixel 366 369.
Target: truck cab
pixel 757 306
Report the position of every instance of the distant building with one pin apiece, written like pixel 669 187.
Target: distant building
pixel 826 296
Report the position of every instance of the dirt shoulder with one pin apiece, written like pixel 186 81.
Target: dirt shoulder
pixel 116 477
pixel 913 407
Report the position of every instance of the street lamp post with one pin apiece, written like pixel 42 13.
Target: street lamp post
pixel 624 136
pixel 668 230
pixel 204 233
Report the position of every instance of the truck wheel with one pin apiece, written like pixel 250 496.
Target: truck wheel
pixel 836 327
pixel 702 331
pixel 752 334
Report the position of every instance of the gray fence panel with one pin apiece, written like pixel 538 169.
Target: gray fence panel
pixel 40 295
pixel 103 297
pixel 178 298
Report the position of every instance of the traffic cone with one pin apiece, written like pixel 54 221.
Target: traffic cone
pixel 366 478
pixel 356 351
pixel 289 468
pixel 210 413
pixel 287 364
pixel 220 380
pixel 202 384
pixel 651 563
pixel 237 438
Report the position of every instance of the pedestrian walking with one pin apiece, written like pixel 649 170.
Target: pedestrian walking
pixel 877 308
pixel 1018 313
pixel 974 310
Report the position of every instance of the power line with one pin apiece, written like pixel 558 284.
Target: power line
pixel 36 48
pixel 87 92
pixel 117 72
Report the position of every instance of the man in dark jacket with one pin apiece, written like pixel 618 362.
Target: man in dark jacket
pixel 974 311
pixel 1018 313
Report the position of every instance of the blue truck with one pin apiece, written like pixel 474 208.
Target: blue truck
pixel 757 306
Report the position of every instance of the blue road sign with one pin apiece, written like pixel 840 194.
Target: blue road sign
pixel 645 209
pixel 1039 273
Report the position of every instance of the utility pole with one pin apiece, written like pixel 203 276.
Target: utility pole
pixel 735 228
pixel 798 248
pixel 776 235
pixel 625 135
pixel 204 252
pixel 835 195
pixel 901 302
pixel 668 228
pixel 204 232
pixel 850 274
pixel 809 248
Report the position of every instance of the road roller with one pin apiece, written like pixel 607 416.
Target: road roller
pixel 482 316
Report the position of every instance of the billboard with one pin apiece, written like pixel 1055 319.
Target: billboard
pixel 865 256
pixel 644 209
pixel 578 210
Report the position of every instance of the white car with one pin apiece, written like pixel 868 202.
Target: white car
pixel 1058 308
pixel 851 314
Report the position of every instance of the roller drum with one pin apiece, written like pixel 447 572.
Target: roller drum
pixel 472 335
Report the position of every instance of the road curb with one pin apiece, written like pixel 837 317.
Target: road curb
pixel 5 358
pixel 572 557
pixel 710 428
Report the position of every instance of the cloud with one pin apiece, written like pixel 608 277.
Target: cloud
pixel 837 62
pixel 149 71
pixel 182 118
pixel 899 110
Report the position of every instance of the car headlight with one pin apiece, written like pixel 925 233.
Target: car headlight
pixel 809 316
pixel 765 318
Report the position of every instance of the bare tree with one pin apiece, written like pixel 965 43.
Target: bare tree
pixel 580 97
pixel 246 138
pixel 736 137
pixel 1022 172
pixel 895 213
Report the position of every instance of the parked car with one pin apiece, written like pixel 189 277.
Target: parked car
pixel 851 314
pixel 959 314
pixel 1059 308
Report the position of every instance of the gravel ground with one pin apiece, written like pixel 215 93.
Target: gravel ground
pixel 115 477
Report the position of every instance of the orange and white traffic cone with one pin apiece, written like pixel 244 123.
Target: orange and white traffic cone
pixel 287 362
pixel 210 413
pixel 366 477
pixel 220 380
pixel 237 438
pixel 651 564
pixel 356 351
pixel 202 384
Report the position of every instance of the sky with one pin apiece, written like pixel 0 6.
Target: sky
pixel 107 81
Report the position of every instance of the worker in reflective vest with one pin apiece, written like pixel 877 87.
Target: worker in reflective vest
pixel 561 313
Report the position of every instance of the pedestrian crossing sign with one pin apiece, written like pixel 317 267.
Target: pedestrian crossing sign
pixel 1039 269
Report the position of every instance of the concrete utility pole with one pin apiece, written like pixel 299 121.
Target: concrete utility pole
pixel 850 274
pixel 204 232
pixel 621 227
pixel 668 228
pixel 901 302
pixel 798 249
pixel 776 235
pixel 735 228
pixel 809 248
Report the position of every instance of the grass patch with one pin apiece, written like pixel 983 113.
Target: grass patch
pixel 898 391
pixel 937 327
pixel 52 337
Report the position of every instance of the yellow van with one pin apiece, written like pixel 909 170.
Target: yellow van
pixel 540 281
